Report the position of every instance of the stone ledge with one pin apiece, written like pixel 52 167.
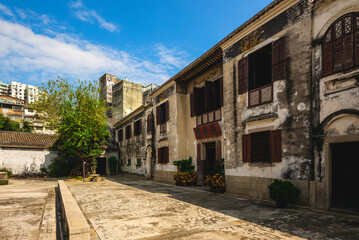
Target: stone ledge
pixel 76 226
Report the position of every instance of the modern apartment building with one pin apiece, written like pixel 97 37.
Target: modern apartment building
pixel 4 88
pixel 106 82
pixel 23 91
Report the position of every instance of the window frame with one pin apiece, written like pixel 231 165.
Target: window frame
pixel 342 50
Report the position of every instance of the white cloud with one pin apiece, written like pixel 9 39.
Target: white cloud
pixel 171 56
pixel 5 10
pixel 25 53
pixel 91 16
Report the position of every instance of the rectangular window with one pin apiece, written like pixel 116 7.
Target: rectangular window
pixel 149 123
pixel 208 98
pixel 120 135
pixel 162 116
pixel 262 146
pixel 163 155
pixel 257 72
pixel 128 132
pixel 139 162
pixel 129 162
pixel 138 127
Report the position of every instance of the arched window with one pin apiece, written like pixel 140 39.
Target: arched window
pixel 340 45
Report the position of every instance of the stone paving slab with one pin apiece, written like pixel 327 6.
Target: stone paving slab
pixel 22 207
pixel 128 207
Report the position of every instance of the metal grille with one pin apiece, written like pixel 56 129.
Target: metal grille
pixel 357 19
pixel 254 98
pixel 260 147
pixel 347 24
pixel 338 29
pixel 266 94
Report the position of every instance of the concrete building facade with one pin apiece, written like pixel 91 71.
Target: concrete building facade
pixel 275 99
pixel 127 96
pixel 106 82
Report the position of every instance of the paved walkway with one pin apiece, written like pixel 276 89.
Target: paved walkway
pixel 22 205
pixel 127 207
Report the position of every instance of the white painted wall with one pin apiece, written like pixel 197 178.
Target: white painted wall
pixel 25 161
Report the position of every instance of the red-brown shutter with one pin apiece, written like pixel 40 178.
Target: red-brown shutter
pixel 167 111
pixel 221 92
pixel 198 152
pixel 338 49
pixel 208 95
pixel 218 151
pixel 275 145
pixel 167 155
pixel 196 102
pixel 191 96
pixel 278 59
pixel 348 60
pixel 356 40
pixel 140 127
pixel 242 75
pixel 158 113
pixel 327 54
pixel 246 147
pixel 159 155
pixel 149 123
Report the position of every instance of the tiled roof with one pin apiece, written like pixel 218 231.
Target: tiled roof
pixel 26 140
pixel 112 121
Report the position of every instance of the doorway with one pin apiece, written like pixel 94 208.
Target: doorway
pixel 210 157
pixel 101 165
pixel 345 176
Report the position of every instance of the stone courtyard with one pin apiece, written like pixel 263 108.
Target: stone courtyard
pixel 131 207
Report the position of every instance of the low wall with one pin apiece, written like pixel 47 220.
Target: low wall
pixel 75 224
pixel 164 177
pixel 25 160
pixel 257 188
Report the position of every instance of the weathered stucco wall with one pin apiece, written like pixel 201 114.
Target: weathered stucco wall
pixel 291 107
pixel 25 161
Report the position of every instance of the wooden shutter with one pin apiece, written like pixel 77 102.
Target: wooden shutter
pixel 167 111
pixel 356 40
pixel 167 155
pixel 348 60
pixel 278 59
pixel 158 115
pixel 275 145
pixel 191 96
pixel 198 152
pixel 243 75
pixel 196 101
pixel 159 155
pixel 338 47
pixel 208 95
pixel 327 53
pixel 149 123
pixel 140 127
pixel 218 151
pixel 246 147
pixel 221 91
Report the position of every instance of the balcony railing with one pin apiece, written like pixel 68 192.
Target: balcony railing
pixel 260 95
pixel 209 117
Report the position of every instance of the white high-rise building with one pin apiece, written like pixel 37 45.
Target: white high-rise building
pixel 23 91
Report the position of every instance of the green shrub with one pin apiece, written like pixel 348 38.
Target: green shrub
pixel 217 167
pixel 60 167
pixel 43 170
pixel 9 172
pixel 283 192
pixel 112 161
pixel 184 165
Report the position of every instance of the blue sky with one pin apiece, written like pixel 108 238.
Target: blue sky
pixel 147 41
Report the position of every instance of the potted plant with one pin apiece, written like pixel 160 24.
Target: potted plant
pixel 216 182
pixel 186 176
pixel 283 192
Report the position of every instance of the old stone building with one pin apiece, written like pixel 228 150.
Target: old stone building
pixel 135 140
pixel 275 99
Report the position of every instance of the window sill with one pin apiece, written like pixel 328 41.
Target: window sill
pixel 339 82
pixel 260 164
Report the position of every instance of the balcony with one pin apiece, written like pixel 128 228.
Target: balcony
pixel 260 95
pixel 209 117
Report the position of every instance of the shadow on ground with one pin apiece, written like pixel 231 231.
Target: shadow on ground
pixel 299 222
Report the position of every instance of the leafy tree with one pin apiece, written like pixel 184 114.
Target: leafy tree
pixel 27 126
pixel 76 112
pixel 6 124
